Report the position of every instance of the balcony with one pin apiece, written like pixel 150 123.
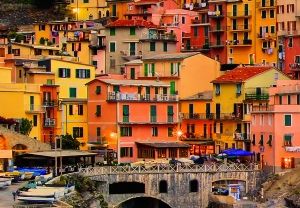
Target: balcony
pixel 50 103
pixel 267 5
pixel 229 116
pixel 97 46
pixel 255 96
pixel 197 116
pixel 97 141
pixel 239 28
pixel 190 136
pixel 216 14
pixel 217 29
pixel 240 43
pixel 217 44
pixel 159 37
pixel 241 137
pixel 195 6
pixel 130 55
pixel 266 36
pixel 262 108
pixel 197 22
pixel 134 97
pixel 144 119
pixel 34 109
pixel 295 66
pixel 239 14
pixel 204 48
pixel 49 122
pixel 78 39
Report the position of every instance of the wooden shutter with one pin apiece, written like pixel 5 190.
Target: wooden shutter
pixel 77 73
pixel 172 68
pixel 145 70
pixel 170 110
pixel 60 72
pixel 153 69
pixel 125 110
pixel 68 72
pixel 88 73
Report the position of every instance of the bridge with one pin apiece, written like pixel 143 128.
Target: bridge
pixel 168 186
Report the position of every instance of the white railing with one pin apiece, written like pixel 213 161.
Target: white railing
pixel 166 168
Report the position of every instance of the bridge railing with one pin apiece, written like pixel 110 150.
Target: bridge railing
pixel 166 168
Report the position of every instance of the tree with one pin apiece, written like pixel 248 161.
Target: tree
pixel 25 126
pixel 68 142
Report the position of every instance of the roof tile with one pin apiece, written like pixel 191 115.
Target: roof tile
pixel 131 23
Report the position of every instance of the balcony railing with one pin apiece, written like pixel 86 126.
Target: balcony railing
pixel 239 28
pixel 112 96
pixel 77 38
pixel 195 136
pixel 217 28
pixel 170 118
pixel 34 109
pixel 255 96
pixel 98 140
pixel 153 119
pixel 200 116
pixel 195 6
pixel 241 42
pixel 216 14
pixel 202 48
pixel 266 36
pixel 200 22
pixel 217 44
pixel 50 103
pixel 267 4
pixel 239 14
pixel 49 122
pixel 125 119
pixel 262 108
pixel 295 66
pixel 241 137
pixel 229 116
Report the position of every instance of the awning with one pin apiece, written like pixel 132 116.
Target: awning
pixel 62 153
pixel 237 152
pixel 193 142
pixel 164 144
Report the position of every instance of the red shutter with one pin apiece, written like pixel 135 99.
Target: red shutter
pixel 282 9
pixel 292 162
pixel 282 163
pixel 288 8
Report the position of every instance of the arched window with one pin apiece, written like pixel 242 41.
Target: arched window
pixel 194 186
pixel 163 186
pixel 107 13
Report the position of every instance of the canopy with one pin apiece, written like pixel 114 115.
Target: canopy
pixel 236 152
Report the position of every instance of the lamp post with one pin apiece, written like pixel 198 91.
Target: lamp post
pixel 116 135
pixel 60 148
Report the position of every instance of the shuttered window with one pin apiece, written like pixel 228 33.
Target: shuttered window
pixel 288 120
pixel 64 72
pixel 72 92
pixel 83 73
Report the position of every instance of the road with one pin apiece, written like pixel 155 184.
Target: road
pixel 6 197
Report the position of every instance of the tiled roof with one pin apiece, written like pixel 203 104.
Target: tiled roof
pixel 132 23
pixel 170 56
pixel 241 74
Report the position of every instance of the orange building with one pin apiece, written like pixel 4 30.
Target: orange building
pixel 138 115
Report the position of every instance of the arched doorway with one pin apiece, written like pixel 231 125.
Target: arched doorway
pixel 145 202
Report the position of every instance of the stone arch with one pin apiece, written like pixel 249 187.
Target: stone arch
pixel 19 149
pixel 167 205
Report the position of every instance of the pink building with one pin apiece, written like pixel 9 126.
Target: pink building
pixel 274 128
pixel 137 115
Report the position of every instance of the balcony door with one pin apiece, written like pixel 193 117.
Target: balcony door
pixel 234 10
pixel 207 110
pixel 132 49
pixel 218 110
pixel 191 110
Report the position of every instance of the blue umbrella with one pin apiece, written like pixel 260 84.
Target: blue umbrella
pixel 237 152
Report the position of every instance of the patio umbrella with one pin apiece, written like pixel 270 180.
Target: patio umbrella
pixel 237 152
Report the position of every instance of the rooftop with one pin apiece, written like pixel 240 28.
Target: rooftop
pixel 170 56
pixel 134 62
pixel 132 23
pixel 241 74
pixel 130 82
pixel 206 95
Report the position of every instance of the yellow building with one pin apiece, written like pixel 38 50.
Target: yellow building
pixel 118 8
pixel 72 77
pixel 5 74
pixel 187 73
pixel 251 33
pixel 89 9
pixel 234 94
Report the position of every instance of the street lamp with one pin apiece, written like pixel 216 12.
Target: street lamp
pixel 179 133
pixel 60 148
pixel 116 135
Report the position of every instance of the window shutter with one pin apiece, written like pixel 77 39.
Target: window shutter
pixel 60 72
pixel 129 131
pixel 146 70
pixel 68 72
pixel 170 110
pixel 88 73
pixel 70 109
pixel 172 68
pixel 153 110
pixel 77 73
pixel 125 110
pixel 153 69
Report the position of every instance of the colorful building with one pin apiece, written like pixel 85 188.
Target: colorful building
pixel 115 117
pixel 134 39
pixel 197 123
pixel 274 129
pixel 183 71
pixel 233 95
pixel 118 8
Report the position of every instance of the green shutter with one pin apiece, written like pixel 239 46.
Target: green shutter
pixel 172 68
pixel 172 88
pixel 287 138
pixel 153 110
pixel 116 88
pixel 68 71
pixel 60 72
pixel 112 31
pixel 125 110
pixel 288 120
pixel 88 73
pixel 170 110
pixel 153 69
pixel 73 92
pixel 77 73
pixel 145 70
pixel 148 90
pixel 112 47
pixel 132 30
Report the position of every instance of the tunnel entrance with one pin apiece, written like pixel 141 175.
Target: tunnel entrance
pixel 127 188
pixel 144 202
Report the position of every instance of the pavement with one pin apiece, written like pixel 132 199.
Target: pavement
pixel 6 197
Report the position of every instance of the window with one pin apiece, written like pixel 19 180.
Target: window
pixel 83 73
pixel 280 9
pixel 290 8
pixel 112 46
pixel 42 27
pixel 72 92
pixel 273 29
pixel 98 131
pixel 20 73
pixel 77 132
pixel 297 59
pixel 149 70
pixel 170 113
pixel 253 139
pixel 126 131
pixel 125 113
pixel 261 141
pixel 153 113
pixel 112 31
pixel 289 99
pixel 146 153
pixel 298 99
pixel 85 1
pixel 35 118
pixel 221 128
pixel 80 110
pixel 162 153
pixel 272 13
pixel 116 88
pixel 98 90
pixel 95 63
pixel 132 30
pixel 70 109
pixel 154 131
pixel 238 89
pixel 98 110
pixel 287 142
pixel 126 152
pixel 287 120
pixel 263 14
pixel 175 69
pixel 112 63
pixel 195 31
pixel 280 99
pixel 269 142
pixel 170 131
pixel 152 46
pixel 183 20
pixel 194 186
pixel 218 89
pixel 290 42
pixel 165 46
pixel 163 186
pixel 64 73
